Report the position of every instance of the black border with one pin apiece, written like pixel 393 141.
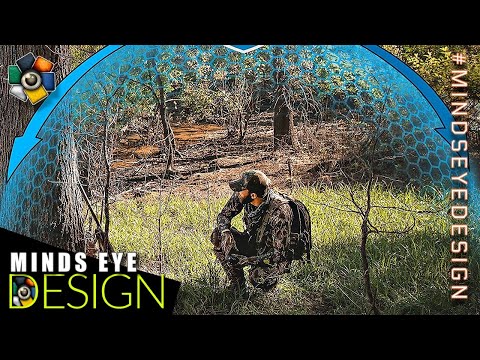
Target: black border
pixel 325 23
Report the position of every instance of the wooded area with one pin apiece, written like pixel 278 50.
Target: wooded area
pixel 157 142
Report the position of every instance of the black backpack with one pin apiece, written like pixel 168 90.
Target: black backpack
pixel 301 231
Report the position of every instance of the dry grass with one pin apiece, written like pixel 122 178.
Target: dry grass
pixel 409 272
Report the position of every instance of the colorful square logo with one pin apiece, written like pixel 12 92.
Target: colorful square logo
pixel 23 292
pixel 31 78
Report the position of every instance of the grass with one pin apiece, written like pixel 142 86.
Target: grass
pixel 409 272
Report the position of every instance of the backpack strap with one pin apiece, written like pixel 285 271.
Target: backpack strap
pixel 274 205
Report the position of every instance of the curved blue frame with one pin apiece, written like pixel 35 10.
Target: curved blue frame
pixel 24 144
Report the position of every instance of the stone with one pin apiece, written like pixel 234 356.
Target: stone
pixel 16 301
pixel 32 292
pixel 29 282
pixel 15 288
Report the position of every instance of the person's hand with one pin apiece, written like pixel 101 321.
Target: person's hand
pixel 228 242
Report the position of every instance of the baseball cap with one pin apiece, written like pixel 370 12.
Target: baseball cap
pixel 254 180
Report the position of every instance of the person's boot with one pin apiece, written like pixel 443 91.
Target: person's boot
pixel 238 285
pixel 235 276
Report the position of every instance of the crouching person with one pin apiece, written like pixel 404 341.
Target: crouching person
pixel 266 244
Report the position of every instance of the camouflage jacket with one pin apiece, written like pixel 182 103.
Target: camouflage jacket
pixel 275 235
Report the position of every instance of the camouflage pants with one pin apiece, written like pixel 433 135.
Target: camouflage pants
pixel 261 276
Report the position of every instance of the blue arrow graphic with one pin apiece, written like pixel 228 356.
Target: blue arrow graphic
pixel 243 48
pixel 430 95
pixel 24 144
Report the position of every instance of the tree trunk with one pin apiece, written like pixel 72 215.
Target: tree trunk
pixel 282 122
pixel 72 203
pixel 72 208
pixel 167 133
pixel 14 118
pixel 14 114
pixel 363 247
pixel 366 270
pixel 241 136
pixel 106 189
pixel 64 61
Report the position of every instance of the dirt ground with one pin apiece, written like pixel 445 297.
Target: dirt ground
pixel 207 159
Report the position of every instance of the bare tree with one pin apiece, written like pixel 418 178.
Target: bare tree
pixel 363 210
pixel 72 214
pixel 283 125
pixel 363 174
pixel 295 99
pixel 96 146
pixel 239 105
pixel 168 135
pixel 161 116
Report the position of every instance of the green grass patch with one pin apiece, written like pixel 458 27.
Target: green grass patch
pixel 409 272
